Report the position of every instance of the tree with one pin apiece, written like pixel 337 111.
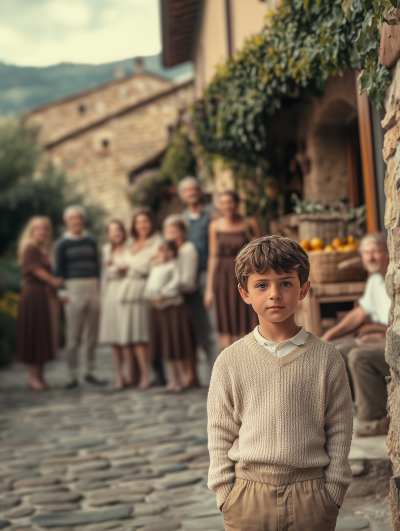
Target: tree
pixel 30 186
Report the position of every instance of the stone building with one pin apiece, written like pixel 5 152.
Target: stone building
pixel 103 136
pixel 338 136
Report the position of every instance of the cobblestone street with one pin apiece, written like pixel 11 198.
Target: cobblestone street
pixel 96 459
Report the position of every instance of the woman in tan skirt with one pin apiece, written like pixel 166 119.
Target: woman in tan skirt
pixel 133 309
pixel 227 235
pixel 114 266
pixel 36 327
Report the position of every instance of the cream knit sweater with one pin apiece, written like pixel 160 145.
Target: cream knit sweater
pixel 279 414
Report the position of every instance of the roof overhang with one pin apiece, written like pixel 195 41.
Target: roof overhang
pixel 179 26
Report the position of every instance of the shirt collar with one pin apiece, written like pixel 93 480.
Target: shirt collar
pixel 299 339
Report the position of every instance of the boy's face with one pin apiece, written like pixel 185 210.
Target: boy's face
pixel 274 296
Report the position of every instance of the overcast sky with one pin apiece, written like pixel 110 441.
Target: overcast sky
pixel 46 32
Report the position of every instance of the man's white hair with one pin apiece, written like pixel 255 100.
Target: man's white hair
pixel 72 210
pixel 379 238
pixel 185 181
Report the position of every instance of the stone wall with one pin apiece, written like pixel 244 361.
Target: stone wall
pixel 392 223
pixel 61 117
pixel 101 173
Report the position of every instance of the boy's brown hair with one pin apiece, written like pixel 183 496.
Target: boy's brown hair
pixel 280 254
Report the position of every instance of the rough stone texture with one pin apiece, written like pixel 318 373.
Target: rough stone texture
pixel 162 527
pixel 9 501
pixel 390 141
pixel 166 428
pixel 351 523
pixel 392 223
pixel 63 116
pixel 21 512
pixel 49 520
pixel 35 482
pixel 57 497
pixel 374 478
pixel 134 137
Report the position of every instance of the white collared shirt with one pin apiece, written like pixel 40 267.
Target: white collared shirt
pixel 376 302
pixel 284 347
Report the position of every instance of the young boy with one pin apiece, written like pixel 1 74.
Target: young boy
pixel 280 415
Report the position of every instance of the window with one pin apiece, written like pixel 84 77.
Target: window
pixel 105 143
pixel 82 108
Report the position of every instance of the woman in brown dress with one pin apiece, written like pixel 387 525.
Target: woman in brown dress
pixel 227 235
pixel 35 332
pixel 175 230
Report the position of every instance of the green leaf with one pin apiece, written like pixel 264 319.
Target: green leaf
pixel 347 7
pixel 366 81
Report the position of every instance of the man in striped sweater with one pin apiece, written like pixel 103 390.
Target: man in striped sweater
pixel 76 260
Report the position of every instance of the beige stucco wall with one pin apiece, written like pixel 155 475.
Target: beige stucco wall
pixel 60 118
pixel 135 137
pixel 212 44
pixel 247 18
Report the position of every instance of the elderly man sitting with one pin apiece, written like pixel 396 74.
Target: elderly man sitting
pixel 364 355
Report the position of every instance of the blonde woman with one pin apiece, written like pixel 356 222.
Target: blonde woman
pixel 35 337
pixel 114 258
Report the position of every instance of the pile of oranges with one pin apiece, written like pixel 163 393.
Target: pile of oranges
pixel 337 245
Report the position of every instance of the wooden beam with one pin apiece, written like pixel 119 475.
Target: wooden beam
pixel 352 147
pixel 228 23
pixel 367 158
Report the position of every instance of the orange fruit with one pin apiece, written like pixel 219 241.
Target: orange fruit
pixel 329 249
pixel 337 242
pixel 349 248
pixel 306 245
pixel 317 244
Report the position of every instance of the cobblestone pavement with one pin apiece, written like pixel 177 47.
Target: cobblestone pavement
pixel 96 459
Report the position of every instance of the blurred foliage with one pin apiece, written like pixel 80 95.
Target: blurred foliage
pixel 304 43
pixel 180 160
pixel 19 153
pixel 32 187
pixel 8 326
pixel 259 188
pixel 10 285
pixel 10 276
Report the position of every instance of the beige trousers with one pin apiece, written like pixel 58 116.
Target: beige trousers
pixel 81 315
pixel 301 504
pixel 367 368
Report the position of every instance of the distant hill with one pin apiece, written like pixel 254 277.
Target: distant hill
pixel 23 88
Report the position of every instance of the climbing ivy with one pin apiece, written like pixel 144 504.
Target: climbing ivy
pixel 305 42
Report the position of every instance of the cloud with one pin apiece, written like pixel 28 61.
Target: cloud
pixel 45 32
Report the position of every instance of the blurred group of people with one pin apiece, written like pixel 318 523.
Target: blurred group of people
pixel 154 297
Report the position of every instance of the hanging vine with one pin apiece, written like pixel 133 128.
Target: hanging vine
pixel 304 43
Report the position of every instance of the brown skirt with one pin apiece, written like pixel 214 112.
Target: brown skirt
pixel 171 334
pixel 35 337
pixel 233 315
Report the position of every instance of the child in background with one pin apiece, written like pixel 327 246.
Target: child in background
pixel 171 334
pixel 280 414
